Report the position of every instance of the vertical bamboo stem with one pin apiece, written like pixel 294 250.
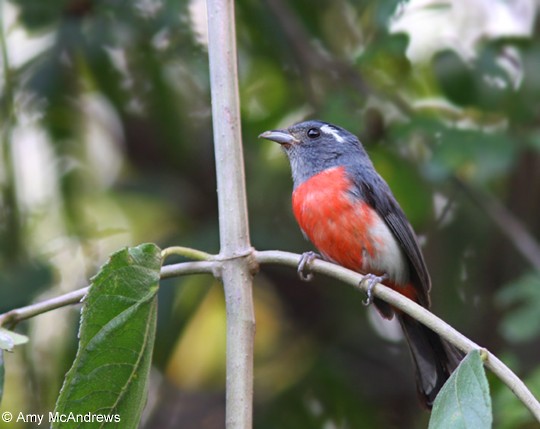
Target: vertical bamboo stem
pixel 233 219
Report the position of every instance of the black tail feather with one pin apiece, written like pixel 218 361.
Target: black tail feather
pixel 434 358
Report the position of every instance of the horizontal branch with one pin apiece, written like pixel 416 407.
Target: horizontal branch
pixel 17 315
pixel 322 267
pixel 195 267
pixel 414 310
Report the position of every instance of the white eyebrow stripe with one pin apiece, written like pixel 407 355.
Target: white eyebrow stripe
pixel 327 129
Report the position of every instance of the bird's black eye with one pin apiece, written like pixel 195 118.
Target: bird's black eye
pixel 313 133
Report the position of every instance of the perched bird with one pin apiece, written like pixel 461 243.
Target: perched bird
pixel 349 213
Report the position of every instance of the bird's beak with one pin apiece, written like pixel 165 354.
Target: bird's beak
pixel 282 137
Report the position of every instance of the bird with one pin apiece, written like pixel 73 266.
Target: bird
pixel 347 210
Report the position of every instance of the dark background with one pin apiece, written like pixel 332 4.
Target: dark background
pixel 106 141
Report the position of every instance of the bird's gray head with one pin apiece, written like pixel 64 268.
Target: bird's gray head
pixel 314 146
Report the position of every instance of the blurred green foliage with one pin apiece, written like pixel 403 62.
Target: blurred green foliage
pixel 106 142
pixel 508 413
pixel 522 297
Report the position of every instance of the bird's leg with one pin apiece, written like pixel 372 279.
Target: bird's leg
pixel 305 265
pixel 371 280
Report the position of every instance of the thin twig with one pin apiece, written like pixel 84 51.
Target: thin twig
pixel 187 252
pixel 194 267
pixel 508 224
pixel 312 60
pixel 17 315
pixel 416 311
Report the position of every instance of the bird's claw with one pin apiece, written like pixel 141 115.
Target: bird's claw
pixel 371 280
pixel 304 266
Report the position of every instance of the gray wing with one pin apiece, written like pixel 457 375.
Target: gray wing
pixel 378 194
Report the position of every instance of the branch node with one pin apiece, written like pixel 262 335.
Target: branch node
pixel 237 254
pixel 9 319
pixel 248 253
pixel 484 354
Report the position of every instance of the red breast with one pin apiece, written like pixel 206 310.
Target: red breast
pixel 346 229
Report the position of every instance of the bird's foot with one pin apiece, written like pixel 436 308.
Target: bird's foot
pixel 371 280
pixel 304 266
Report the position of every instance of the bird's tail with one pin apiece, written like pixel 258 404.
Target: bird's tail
pixel 434 358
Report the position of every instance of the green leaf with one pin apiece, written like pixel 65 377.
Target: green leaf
pixel 110 372
pixel 464 401
pixel 10 339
